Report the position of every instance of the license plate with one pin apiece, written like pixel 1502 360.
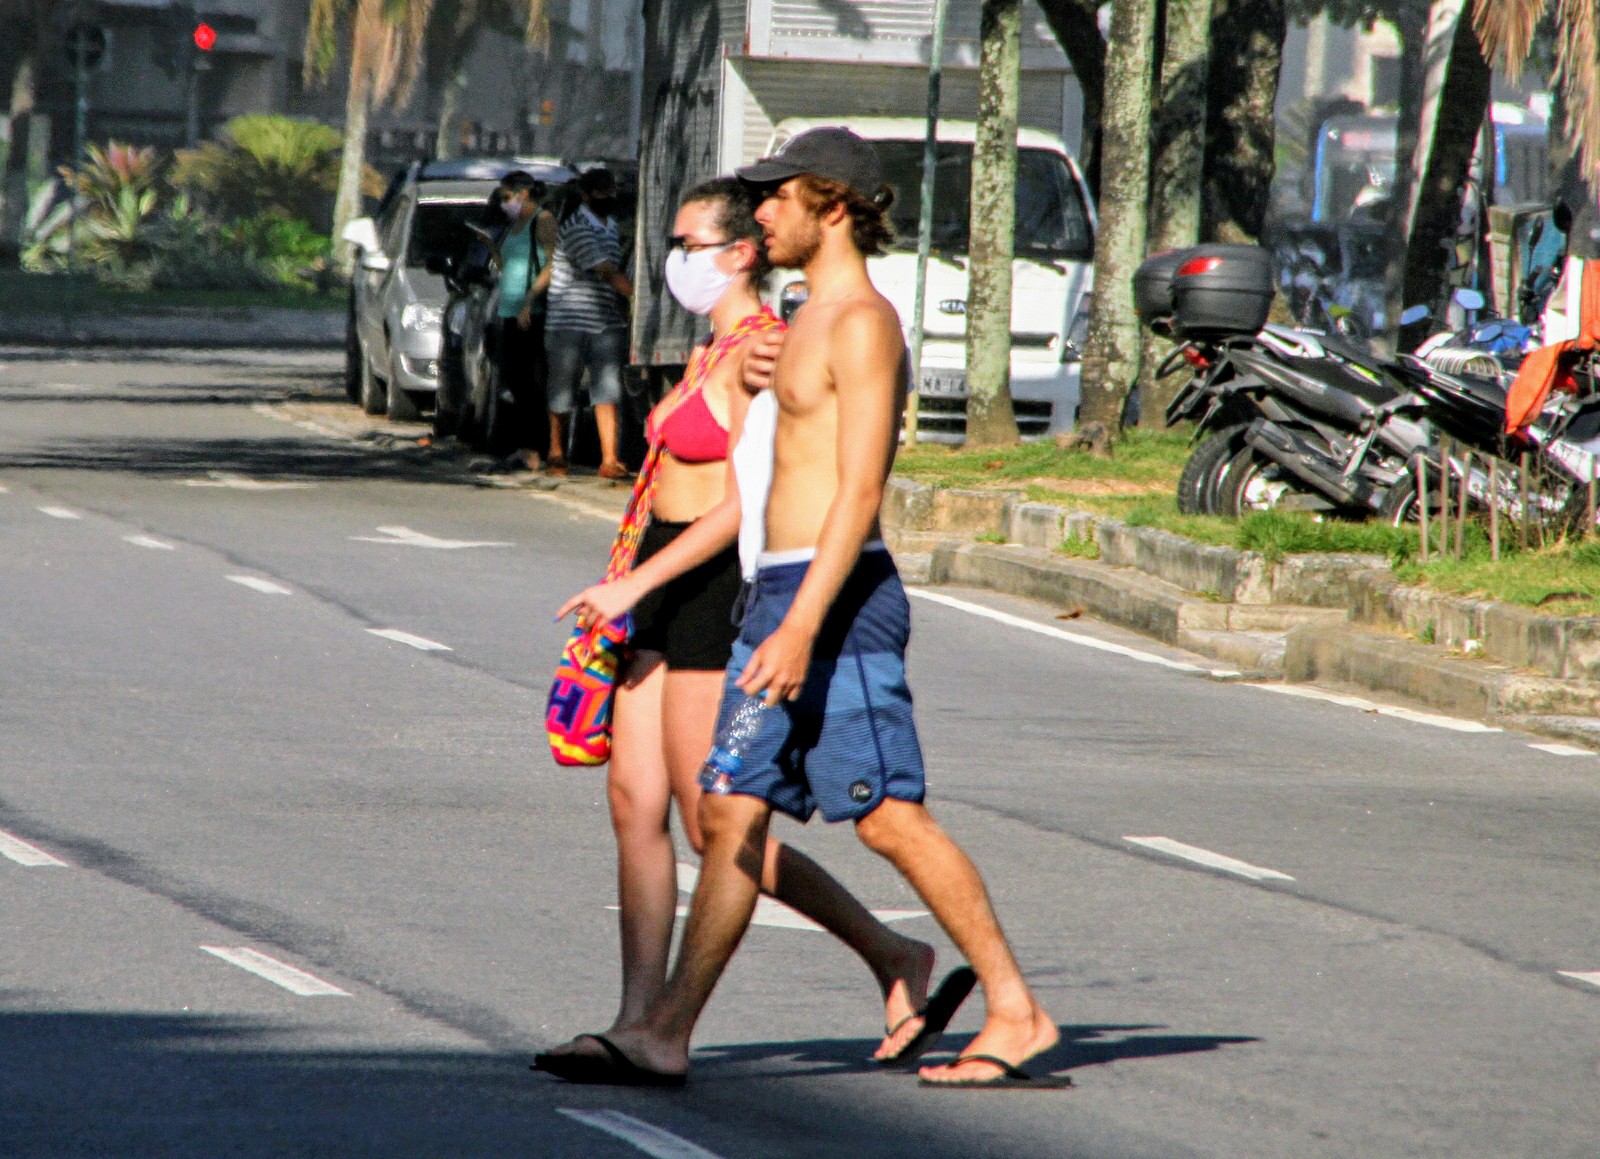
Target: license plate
pixel 944 383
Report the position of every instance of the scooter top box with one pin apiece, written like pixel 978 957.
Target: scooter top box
pixel 1152 284
pixel 1222 290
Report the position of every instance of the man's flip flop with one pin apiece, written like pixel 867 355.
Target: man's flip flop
pixel 936 1015
pixel 613 1069
pixel 1010 1078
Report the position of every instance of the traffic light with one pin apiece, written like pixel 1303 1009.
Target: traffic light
pixel 205 37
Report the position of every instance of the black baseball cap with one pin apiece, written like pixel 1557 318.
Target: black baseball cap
pixel 833 153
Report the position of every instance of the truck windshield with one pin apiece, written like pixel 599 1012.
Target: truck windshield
pixel 439 229
pixel 1052 220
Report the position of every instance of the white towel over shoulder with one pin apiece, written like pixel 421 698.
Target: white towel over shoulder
pixel 752 468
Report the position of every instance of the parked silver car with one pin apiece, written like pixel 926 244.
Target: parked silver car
pixel 394 333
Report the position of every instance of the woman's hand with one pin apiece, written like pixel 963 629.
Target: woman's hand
pixel 525 316
pixel 602 603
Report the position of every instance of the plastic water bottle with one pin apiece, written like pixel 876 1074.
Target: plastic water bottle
pixel 732 745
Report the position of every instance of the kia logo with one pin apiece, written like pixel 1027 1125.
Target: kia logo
pixel 952 306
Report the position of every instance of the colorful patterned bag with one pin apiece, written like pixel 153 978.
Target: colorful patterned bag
pixel 578 714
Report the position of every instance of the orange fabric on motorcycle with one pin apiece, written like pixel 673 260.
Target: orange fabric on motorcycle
pixel 1550 367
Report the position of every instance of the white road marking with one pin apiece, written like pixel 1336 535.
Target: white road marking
pixel 1563 750
pixel 1454 723
pixel 609 515
pixel 1206 857
pixel 60 513
pixel 770 912
pixel 148 541
pixel 652 1140
pixel 1592 977
pixel 4 490
pixel 405 537
pixel 291 978
pixel 22 853
pixel 1056 633
pixel 257 584
pixel 242 483
pixel 419 642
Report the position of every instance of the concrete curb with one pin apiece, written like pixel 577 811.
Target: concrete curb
pixel 1293 618
pixel 181 327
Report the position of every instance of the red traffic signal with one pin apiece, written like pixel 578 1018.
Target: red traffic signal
pixel 205 37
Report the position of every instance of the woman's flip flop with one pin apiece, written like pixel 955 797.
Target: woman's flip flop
pixel 936 1016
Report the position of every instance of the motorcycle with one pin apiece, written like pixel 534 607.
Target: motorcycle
pixel 1284 418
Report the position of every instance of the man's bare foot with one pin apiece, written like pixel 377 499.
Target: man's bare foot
pixel 1015 1040
pixel 644 1049
pixel 612 470
pixel 583 1044
pixel 905 993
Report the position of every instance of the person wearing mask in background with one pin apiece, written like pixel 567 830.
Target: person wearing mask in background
pixel 683 634
pixel 586 321
pixel 525 249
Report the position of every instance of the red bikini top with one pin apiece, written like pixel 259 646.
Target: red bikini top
pixel 683 422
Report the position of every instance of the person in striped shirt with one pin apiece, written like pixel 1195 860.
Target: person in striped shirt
pixel 586 322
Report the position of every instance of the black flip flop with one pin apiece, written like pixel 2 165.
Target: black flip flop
pixel 1010 1078
pixel 613 1069
pixel 935 1015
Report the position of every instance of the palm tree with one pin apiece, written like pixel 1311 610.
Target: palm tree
pixel 1507 29
pixel 384 39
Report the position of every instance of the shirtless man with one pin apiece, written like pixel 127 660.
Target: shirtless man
pixel 824 634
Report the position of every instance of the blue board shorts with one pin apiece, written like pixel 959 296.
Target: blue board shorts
pixel 849 740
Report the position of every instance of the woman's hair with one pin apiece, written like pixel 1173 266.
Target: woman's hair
pixel 869 218
pixel 735 216
pixel 518 180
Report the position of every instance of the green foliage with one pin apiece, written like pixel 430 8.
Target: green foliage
pixel 264 165
pixel 190 251
pixel 1276 534
pixel 1141 457
pixel 115 172
pixel 1080 548
pixel 287 246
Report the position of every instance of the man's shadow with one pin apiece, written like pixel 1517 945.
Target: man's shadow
pixel 1080 1046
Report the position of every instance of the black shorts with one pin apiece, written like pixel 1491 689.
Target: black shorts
pixel 688 620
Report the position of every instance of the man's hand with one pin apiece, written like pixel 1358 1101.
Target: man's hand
pixel 602 603
pixel 761 356
pixel 777 670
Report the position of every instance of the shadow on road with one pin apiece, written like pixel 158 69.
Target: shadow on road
pixel 93 1083
pixel 282 459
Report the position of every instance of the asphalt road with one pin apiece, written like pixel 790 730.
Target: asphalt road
pixel 203 743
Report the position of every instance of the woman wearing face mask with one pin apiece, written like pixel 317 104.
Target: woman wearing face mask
pixel 666 701
pixel 525 248
pixel 586 325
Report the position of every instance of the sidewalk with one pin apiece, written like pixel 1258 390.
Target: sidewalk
pixel 184 327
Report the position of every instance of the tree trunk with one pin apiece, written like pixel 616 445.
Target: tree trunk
pixel 1076 25
pixel 990 419
pixel 1412 25
pixel 1177 167
pixel 1463 101
pixel 352 164
pixel 447 139
pixel 14 192
pixel 1240 129
pixel 1111 355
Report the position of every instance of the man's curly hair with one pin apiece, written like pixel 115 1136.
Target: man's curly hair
pixel 870 218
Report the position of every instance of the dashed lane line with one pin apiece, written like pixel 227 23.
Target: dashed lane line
pixel 1563 750
pixel 243 482
pixel 22 853
pixel 1592 977
pixel 257 584
pixel 149 541
pixel 1061 634
pixel 1453 723
pixel 647 1137
pixel 406 537
pixel 421 643
pixel 60 513
pixel 291 978
pixel 1208 858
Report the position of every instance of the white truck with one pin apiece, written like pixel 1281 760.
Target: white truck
pixel 727 82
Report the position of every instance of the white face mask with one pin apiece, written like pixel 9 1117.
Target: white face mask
pixel 695 280
pixel 512 207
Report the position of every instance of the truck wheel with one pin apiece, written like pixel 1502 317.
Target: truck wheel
pixel 1197 486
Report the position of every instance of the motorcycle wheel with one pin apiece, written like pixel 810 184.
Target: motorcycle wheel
pixel 1252 482
pixel 1198 484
